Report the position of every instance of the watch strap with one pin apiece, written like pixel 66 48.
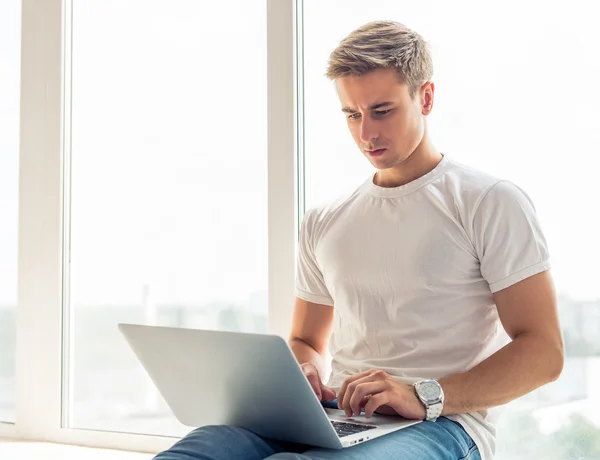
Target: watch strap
pixel 434 411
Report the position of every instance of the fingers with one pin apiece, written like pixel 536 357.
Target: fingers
pixel 354 402
pixel 312 375
pixel 375 402
pixel 327 394
pixel 348 381
pixel 315 383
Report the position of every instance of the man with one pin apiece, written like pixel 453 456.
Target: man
pixel 430 273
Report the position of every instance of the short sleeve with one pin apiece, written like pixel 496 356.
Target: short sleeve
pixel 310 284
pixel 508 238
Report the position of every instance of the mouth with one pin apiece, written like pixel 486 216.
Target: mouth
pixel 376 152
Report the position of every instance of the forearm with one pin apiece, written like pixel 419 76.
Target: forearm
pixel 520 367
pixel 304 353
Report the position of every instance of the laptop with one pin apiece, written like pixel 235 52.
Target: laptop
pixel 248 380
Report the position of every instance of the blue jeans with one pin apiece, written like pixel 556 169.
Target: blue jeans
pixel 440 440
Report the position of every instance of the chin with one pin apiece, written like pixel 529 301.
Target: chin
pixel 396 162
pixel 385 163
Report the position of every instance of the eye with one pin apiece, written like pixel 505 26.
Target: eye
pixel 353 116
pixel 382 112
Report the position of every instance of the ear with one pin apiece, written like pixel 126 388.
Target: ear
pixel 427 92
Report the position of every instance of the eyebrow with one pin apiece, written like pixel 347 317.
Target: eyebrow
pixel 373 107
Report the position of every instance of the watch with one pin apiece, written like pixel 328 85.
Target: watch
pixel 432 396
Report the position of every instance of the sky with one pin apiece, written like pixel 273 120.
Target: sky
pixel 169 136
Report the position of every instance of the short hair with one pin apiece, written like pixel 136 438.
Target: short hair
pixel 383 44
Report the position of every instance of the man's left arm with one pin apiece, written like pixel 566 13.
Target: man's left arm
pixel 534 357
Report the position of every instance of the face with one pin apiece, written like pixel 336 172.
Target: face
pixel 387 124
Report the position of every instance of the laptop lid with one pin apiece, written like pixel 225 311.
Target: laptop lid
pixel 227 378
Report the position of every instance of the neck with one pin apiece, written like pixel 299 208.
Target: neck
pixel 424 159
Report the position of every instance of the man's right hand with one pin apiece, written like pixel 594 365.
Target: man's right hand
pixel 324 393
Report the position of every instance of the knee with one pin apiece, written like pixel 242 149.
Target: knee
pixel 218 433
pixel 211 429
pixel 206 443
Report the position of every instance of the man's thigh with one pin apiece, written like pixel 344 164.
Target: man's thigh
pixel 225 443
pixel 442 440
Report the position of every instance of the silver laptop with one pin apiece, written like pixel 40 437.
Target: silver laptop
pixel 247 380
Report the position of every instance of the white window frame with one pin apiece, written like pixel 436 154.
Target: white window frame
pixel 43 179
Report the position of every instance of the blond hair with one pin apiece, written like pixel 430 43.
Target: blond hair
pixel 383 44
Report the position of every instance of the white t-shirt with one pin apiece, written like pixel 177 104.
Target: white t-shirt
pixel 410 272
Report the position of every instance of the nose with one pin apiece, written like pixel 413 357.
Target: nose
pixel 368 130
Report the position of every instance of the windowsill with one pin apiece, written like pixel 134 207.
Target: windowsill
pixel 29 450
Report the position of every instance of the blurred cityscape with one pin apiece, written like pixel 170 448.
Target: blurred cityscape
pixel 111 390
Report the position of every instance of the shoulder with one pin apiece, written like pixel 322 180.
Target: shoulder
pixel 318 218
pixel 504 193
pixel 486 202
pixel 472 194
pixel 473 188
pixel 470 184
pixel 481 189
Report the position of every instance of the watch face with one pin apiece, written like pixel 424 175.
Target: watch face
pixel 429 391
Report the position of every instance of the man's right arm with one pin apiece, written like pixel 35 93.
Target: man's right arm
pixel 311 328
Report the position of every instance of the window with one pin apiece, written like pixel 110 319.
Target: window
pixel 518 102
pixel 168 192
pixel 10 31
pixel 167 149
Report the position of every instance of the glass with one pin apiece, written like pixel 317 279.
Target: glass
pixel 10 84
pixel 168 191
pixel 515 96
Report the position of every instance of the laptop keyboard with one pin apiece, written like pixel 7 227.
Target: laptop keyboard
pixel 346 428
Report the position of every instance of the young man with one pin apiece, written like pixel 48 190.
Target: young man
pixel 429 282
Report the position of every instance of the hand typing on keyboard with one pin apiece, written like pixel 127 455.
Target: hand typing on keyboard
pixel 323 392
pixel 376 391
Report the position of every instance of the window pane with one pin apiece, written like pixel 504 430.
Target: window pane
pixel 169 190
pixel 10 64
pixel 515 96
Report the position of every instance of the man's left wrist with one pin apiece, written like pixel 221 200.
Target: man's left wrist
pixel 431 395
pixel 420 405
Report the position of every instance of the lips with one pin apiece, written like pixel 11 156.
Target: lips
pixel 375 152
